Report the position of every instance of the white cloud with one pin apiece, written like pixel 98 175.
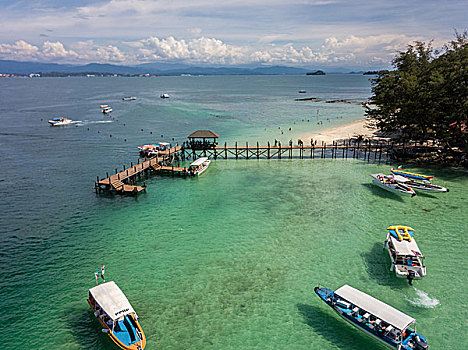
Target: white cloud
pixel 57 50
pixel 207 50
pixel 19 49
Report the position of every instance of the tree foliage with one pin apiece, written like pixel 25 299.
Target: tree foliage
pixel 426 96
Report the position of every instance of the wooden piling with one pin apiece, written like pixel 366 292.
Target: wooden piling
pixel 236 151
pixel 247 150
pixel 268 151
pixel 258 151
pixel 225 150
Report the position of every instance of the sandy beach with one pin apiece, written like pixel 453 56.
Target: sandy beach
pixel 339 132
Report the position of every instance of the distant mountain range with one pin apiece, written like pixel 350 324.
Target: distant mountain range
pixel 25 68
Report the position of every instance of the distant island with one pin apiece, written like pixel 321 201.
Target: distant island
pixel 318 72
pixel 10 68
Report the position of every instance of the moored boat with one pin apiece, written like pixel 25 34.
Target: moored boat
pixel 375 318
pixel 199 166
pixel 153 149
pixel 164 96
pixel 103 106
pixel 419 184
pixel 106 110
pixel 411 175
pixel 388 183
pixel 129 98
pixel 407 260
pixel 59 121
pixel 116 315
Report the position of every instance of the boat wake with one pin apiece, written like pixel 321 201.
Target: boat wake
pixel 423 299
pixel 87 122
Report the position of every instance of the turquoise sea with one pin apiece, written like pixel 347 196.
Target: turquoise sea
pixel 225 261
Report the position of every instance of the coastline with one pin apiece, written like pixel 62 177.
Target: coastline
pixel 339 132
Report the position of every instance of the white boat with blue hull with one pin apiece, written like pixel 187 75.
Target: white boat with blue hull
pixel 373 317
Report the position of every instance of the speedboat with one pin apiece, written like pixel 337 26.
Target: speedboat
pixel 199 166
pixel 129 98
pixel 375 318
pixel 103 106
pixel 164 96
pixel 388 183
pixel 116 315
pixel 58 121
pixel 407 260
pixel 106 110
pixel 302 91
pixel 419 184
pixel 411 175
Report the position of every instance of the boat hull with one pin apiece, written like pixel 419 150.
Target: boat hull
pixel 355 324
pixel 135 346
pixel 401 272
pixel 199 172
pixel 392 189
pixel 52 123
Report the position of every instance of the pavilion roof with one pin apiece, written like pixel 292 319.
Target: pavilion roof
pixel 204 134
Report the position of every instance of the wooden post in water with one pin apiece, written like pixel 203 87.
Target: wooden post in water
pixel 357 152
pixel 279 150
pixel 236 151
pixel 225 150
pixel 336 148
pixel 268 152
pixel 380 152
pixel 247 150
pixel 290 149
pixel 214 152
pixel 107 175
pixel 312 151
pixel 258 151
pixel 346 144
pixel 370 149
pixel 323 154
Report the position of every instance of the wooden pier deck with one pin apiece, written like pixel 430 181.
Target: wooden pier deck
pixel 368 150
pixel 122 182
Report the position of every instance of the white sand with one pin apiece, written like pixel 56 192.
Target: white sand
pixel 344 131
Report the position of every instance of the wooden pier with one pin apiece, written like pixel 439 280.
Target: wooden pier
pixel 123 181
pixel 367 150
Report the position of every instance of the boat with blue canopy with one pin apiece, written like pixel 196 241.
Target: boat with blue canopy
pixel 117 317
pixel 375 318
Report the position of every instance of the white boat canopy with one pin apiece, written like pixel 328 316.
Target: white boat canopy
pixel 375 307
pixel 199 161
pixel 404 247
pixel 112 300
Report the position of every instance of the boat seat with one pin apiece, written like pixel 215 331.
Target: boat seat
pixel 355 310
pixel 343 304
pixel 378 321
pixel 366 315
pixel 389 329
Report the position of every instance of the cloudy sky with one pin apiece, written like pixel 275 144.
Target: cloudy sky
pixel 309 33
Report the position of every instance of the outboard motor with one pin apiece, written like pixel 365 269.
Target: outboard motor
pixel 420 344
pixel 411 276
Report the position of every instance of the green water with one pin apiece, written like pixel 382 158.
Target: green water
pixel 229 260
pixel 224 261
